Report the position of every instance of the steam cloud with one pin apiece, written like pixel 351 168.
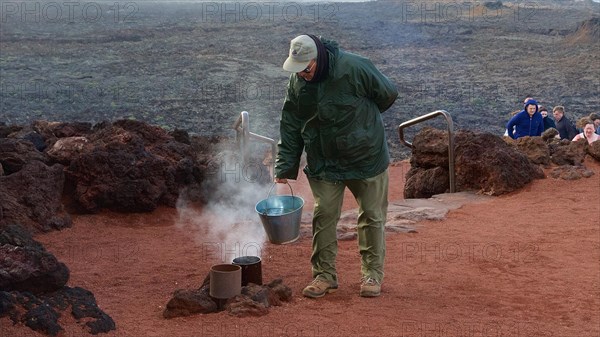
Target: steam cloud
pixel 228 225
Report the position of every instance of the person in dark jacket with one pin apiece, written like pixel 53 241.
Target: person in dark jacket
pixel 332 111
pixel 548 122
pixel 528 122
pixel 565 128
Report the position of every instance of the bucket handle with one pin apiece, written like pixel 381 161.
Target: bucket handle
pixel 271 190
pixel 291 191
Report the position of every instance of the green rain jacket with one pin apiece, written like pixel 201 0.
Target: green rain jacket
pixel 337 121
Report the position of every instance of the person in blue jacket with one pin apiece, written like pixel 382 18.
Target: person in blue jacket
pixel 528 122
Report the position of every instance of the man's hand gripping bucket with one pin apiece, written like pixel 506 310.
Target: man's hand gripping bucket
pixel 280 216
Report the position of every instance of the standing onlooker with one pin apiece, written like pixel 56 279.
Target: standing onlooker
pixel 548 122
pixel 588 133
pixel 595 118
pixel 528 122
pixel 565 128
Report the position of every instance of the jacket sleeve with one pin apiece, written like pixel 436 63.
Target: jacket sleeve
pixel 509 126
pixel 571 131
pixel 291 145
pixel 540 127
pixel 378 87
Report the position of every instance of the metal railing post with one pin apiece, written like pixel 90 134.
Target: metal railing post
pixel 243 136
pixel 423 118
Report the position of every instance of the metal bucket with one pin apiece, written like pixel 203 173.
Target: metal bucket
pixel 225 281
pixel 251 269
pixel 280 216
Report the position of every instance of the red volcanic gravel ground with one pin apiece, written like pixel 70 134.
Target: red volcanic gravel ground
pixel 523 264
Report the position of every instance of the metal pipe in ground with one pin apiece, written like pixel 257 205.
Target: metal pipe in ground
pixel 448 117
pixel 243 137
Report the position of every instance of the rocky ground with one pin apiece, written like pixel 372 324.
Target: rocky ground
pixel 51 173
pixel 196 66
pixel 491 268
pixel 122 212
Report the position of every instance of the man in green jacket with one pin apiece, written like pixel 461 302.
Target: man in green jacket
pixel 332 111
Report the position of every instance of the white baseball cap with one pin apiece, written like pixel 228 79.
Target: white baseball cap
pixel 302 50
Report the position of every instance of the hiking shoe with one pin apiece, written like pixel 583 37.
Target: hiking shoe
pixel 370 287
pixel 319 287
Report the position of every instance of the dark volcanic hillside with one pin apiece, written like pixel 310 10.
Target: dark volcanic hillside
pixel 195 66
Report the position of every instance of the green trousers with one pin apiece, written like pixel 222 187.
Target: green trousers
pixel 371 195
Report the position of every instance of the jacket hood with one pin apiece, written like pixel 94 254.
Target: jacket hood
pixel 331 45
pixel 530 102
pixel 333 52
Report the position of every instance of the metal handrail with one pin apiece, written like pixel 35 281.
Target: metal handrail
pixel 423 118
pixel 243 136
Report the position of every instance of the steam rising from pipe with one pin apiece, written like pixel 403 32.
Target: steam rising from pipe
pixel 228 225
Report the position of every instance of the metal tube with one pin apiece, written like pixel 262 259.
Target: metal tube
pixel 243 136
pixel 238 121
pixel 428 116
pixel 261 138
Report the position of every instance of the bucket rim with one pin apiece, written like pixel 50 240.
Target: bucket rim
pixel 262 213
